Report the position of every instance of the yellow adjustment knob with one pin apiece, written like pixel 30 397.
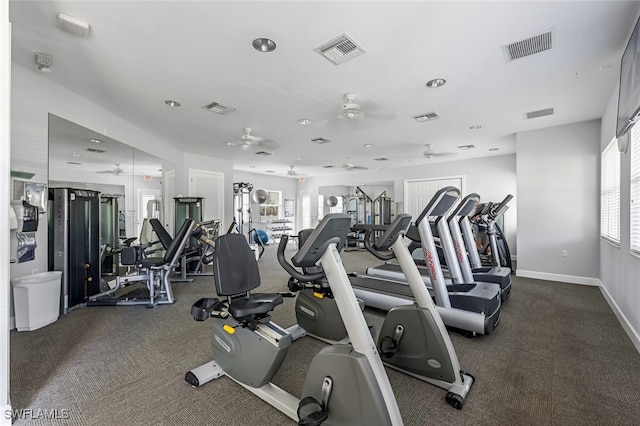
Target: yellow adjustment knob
pixel 318 295
pixel 228 329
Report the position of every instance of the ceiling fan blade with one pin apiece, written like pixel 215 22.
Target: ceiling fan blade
pixel 381 115
pixel 269 144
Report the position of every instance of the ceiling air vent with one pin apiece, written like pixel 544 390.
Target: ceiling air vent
pixel 264 153
pixel 528 47
pixel 381 159
pixel 465 147
pixel 319 140
pixel 218 108
pixel 97 151
pixel 426 117
pixel 328 167
pixel 340 49
pixel 539 113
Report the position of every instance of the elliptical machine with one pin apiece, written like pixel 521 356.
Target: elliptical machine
pixel 413 338
pixel 345 384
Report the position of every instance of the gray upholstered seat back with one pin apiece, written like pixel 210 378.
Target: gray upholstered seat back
pixel 235 269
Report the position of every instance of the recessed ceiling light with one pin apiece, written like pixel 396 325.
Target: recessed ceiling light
pixel 436 82
pixel 172 103
pixel 252 167
pixel 304 121
pixel 368 145
pixel 76 155
pixel 229 143
pixel 475 127
pixel 95 140
pixel 269 171
pixel 264 45
pixel 299 158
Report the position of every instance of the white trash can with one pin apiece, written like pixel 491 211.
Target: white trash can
pixel 36 299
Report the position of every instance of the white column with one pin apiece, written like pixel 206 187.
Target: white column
pixel 5 166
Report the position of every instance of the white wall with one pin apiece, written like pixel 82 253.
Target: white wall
pixel 619 269
pixel 558 202
pixel 5 155
pixel 491 177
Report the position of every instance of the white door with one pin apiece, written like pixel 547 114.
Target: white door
pixel 209 186
pixel 169 191
pixel 144 196
pixel 305 209
pixel 418 192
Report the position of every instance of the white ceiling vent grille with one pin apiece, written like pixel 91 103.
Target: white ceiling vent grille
pixel 426 117
pixel 528 47
pixel 96 150
pixel 264 153
pixel 319 140
pixel 218 108
pixel 340 49
pixel 539 113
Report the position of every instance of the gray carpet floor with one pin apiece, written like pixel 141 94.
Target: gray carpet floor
pixel 558 357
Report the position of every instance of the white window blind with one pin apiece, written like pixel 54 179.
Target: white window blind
pixel 635 189
pixel 610 193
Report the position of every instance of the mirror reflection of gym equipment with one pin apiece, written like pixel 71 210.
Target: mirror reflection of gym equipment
pixel 243 218
pixel 74 249
pixel 197 255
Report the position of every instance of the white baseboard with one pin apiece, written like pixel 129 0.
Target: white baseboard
pixel 571 279
pixel 628 328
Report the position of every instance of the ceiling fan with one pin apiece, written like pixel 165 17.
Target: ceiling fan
pixel 349 166
pixel 429 153
pixel 292 171
pixel 351 110
pixel 116 170
pixel 248 140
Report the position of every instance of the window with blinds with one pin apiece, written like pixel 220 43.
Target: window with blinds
pixel 634 147
pixel 610 193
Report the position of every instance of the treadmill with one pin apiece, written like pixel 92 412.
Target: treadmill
pixel 455 253
pixel 473 308
pixel 462 235
pixel 490 215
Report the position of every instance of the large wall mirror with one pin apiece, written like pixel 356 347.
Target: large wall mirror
pixel 371 203
pixel 82 158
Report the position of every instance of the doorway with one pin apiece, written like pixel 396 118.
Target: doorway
pixel 418 192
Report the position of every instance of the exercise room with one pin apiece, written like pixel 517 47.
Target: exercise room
pixel 320 212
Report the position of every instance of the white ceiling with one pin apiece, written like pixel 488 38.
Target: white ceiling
pixel 140 53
